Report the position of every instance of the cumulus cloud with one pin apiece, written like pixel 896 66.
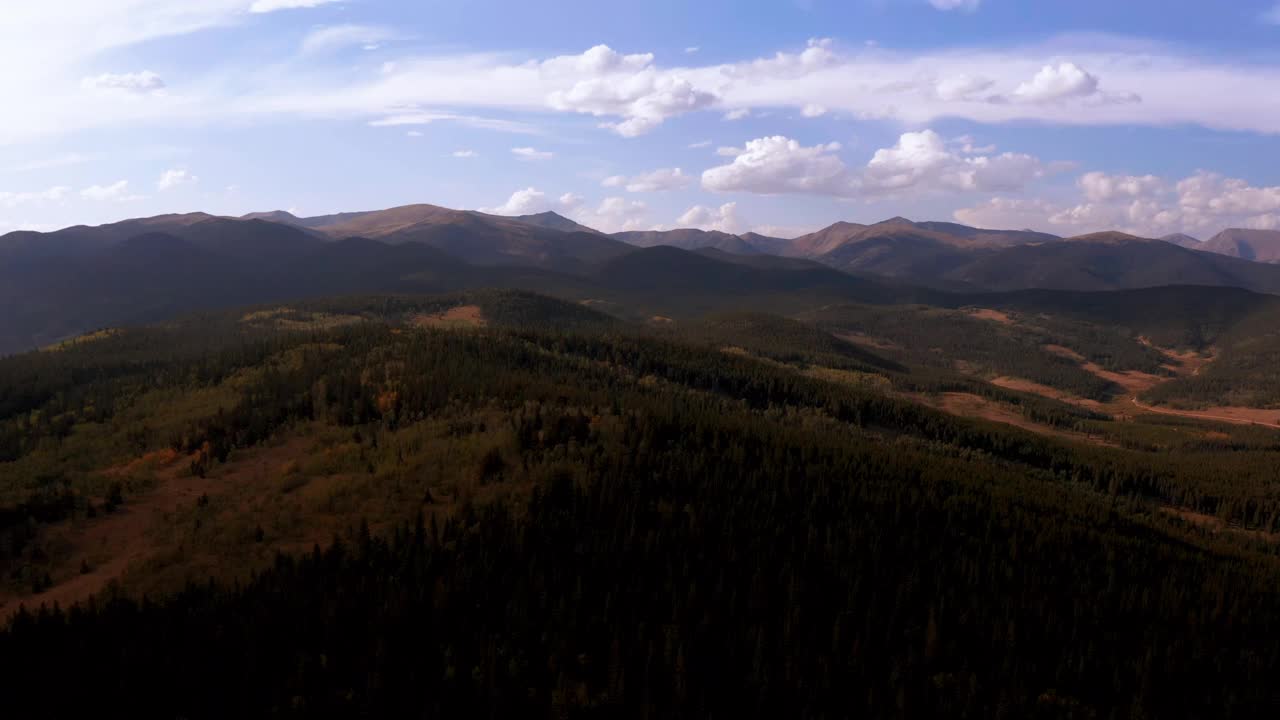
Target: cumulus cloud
pixel 922 160
pixel 1055 83
pixel 1200 204
pixel 655 181
pixel 117 191
pixel 629 87
pixel 528 201
pixel 1007 213
pixel 918 161
pixel 737 114
pixel 778 164
pixel 612 214
pixel 813 110
pixel 137 82
pixel 528 153
pixel 615 214
pixel 818 54
pixel 723 218
pixel 170 179
pixel 1101 187
pixel 266 6
pixel 14 199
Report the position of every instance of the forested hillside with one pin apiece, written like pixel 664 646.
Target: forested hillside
pixel 508 505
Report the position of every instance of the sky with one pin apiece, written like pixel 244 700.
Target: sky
pixel 775 116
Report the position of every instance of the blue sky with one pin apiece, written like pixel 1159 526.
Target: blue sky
pixel 777 116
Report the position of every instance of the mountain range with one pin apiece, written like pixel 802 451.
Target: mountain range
pixel 63 283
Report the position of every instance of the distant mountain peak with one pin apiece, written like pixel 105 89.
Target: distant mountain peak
pixel 1183 240
pixel 282 216
pixel 1256 245
pixel 1110 236
pixel 553 221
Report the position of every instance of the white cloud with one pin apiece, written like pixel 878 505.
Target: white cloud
pixel 962 86
pixel 692 50
pixel 465 154
pixel 993 86
pixel 413 133
pixel 528 201
pixel 170 179
pixel 655 181
pixel 1211 194
pixel 266 6
pixel 14 199
pixel 922 160
pixel 919 161
pixel 966 5
pixel 969 146
pixel 1200 204
pixel 778 164
pixel 137 82
pixel 629 87
pixel 336 37
pixel 1101 187
pixel 700 144
pixel 813 110
pixel 426 117
pixel 737 114
pixel 1056 83
pixel 117 191
pixel 615 214
pixel 58 43
pixel 1007 213
pixel 723 218
pixel 631 94
pixel 528 153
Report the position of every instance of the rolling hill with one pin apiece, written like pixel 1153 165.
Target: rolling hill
pixel 1110 261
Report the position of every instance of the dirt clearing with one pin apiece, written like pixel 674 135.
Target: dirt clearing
pixel 976 406
pixel 1035 388
pixel 992 315
pixel 463 316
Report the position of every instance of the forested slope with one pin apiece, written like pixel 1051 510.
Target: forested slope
pixel 569 516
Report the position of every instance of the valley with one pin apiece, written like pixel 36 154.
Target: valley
pixel 484 414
